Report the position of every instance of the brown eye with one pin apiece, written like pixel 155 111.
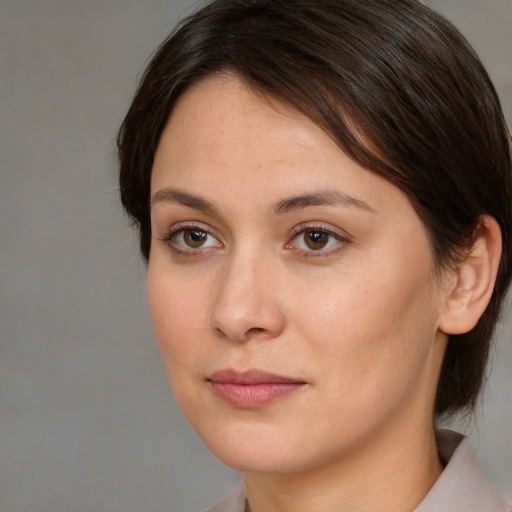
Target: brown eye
pixel 316 240
pixel 194 238
pixel 188 240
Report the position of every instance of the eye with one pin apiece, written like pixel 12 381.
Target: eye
pixel 193 238
pixel 190 239
pixel 315 239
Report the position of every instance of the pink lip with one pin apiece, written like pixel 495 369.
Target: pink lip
pixel 252 388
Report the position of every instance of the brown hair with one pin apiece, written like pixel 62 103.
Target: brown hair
pixel 393 83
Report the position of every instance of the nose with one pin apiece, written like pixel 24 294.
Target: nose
pixel 247 302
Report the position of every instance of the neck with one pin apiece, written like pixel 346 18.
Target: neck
pixel 394 471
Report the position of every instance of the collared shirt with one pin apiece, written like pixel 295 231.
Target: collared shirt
pixel 462 486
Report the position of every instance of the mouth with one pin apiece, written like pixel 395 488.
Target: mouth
pixel 252 388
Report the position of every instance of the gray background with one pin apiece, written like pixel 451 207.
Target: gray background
pixel 87 421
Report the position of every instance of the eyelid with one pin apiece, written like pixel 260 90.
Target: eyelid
pixel 321 226
pixel 342 238
pixel 180 227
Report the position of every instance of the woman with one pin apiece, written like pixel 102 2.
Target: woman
pixel 323 192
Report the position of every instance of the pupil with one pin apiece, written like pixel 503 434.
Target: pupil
pixel 194 238
pixel 197 235
pixel 316 239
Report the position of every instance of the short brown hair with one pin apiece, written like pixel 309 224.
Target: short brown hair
pixel 393 83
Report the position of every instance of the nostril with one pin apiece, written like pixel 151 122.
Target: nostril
pixel 255 330
pixel 248 334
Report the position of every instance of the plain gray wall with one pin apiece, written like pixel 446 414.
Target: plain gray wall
pixel 87 420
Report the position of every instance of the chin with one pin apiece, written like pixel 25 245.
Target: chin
pixel 255 459
pixel 250 447
pixel 263 448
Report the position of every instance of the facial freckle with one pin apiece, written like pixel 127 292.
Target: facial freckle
pixel 312 319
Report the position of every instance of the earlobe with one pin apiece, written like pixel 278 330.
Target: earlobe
pixel 474 279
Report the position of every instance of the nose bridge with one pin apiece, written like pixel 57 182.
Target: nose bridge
pixel 247 297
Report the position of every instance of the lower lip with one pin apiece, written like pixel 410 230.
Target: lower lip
pixel 250 396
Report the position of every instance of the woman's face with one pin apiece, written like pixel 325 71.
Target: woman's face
pixel 292 291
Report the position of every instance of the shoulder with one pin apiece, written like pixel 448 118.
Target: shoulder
pixel 462 485
pixel 233 502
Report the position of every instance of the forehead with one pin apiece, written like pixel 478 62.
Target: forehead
pixel 226 119
pixel 220 126
pixel 223 137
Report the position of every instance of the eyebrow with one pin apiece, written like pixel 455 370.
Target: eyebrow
pixel 318 198
pixel 171 195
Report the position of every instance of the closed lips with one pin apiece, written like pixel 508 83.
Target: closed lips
pixel 252 388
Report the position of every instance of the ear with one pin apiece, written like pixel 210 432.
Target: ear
pixel 473 280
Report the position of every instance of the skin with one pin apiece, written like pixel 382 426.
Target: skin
pixel 358 321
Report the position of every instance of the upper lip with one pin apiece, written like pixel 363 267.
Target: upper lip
pixel 247 377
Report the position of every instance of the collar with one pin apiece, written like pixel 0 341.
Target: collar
pixel 462 485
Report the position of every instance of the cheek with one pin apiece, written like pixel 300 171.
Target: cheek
pixel 368 325
pixel 360 308
pixel 178 314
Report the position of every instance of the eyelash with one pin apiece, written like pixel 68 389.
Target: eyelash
pixel 302 229
pixel 175 231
